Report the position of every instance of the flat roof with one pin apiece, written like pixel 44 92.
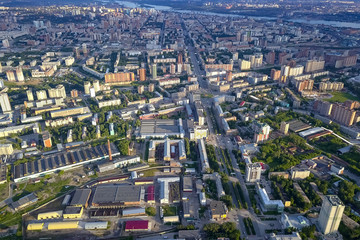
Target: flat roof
pixel 116 194
pixel 137 225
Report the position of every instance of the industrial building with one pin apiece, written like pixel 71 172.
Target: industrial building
pixel 266 203
pixel 96 225
pixel 160 128
pixel 24 201
pixel 50 215
pixel 164 188
pixel 172 149
pixel 218 210
pixel 187 184
pixel 81 198
pixel 131 212
pixel 331 212
pixel 118 196
pixel 150 193
pixel 137 226
pixel 62 161
pixel 118 163
pixel 73 212
pixel 63 225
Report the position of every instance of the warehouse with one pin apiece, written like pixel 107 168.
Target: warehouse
pixel 161 128
pixel 171 219
pixel 151 194
pixel 164 188
pixel 131 212
pixel 81 198
pixel 35 226
pixel 63 225
pixel 118 163
pixel 218 210
pixel 187 184
pixel 137 226
pixel 170 149
pixel 62 161
pixel 117 196
pixel 143 181
pixel 24 201
pixel 96 225
pixel 71 212
pixel 50 215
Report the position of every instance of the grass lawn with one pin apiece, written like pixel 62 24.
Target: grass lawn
pixel 169 210
pixel 341 97
pixel 150 173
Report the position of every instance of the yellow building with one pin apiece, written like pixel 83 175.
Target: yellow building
pixel 50 215
pixel 63 225
pixel 73 212
pixel 35 226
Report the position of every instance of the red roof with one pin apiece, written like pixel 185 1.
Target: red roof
pixel 242 103
pixel 151 193
pixel 137 225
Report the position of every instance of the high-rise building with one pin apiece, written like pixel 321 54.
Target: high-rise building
pixel 19 74
pixel 270 57
pixel 5 103
pixel 244 65
pixel 275 74
pixel 154 71
pixel 302 85
pixel 314 65
pixel 41 95
pixel 87 86
pixel 74 93
pixel 284 127
pixel 58 92
pixel 253 172
pixel 5 43
pixel 261 132
pixel 284 73
pixel 296 70
pixel 140 89
pixel 180 58
pixel 10 75
pixel 96 85
pixel 84 49
pixel 343 115
pixel 323 107
pixel 151 87
pixel 172 69
pixel 142 74
pixel 30 95
pixel 77 52
pixel 92 92
pixel 331 212
pixel 120 77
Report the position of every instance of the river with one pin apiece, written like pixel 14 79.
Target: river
pixel 167 8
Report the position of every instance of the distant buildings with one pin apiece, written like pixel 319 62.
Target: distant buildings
pixel 330 214
pixel 314 65
pixel 5 103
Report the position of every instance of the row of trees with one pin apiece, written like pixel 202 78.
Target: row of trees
pixel 225 230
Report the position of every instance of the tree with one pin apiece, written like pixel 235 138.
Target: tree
pixel 137 123
pixel 227 199
pixel 150 211
pixel 123 146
